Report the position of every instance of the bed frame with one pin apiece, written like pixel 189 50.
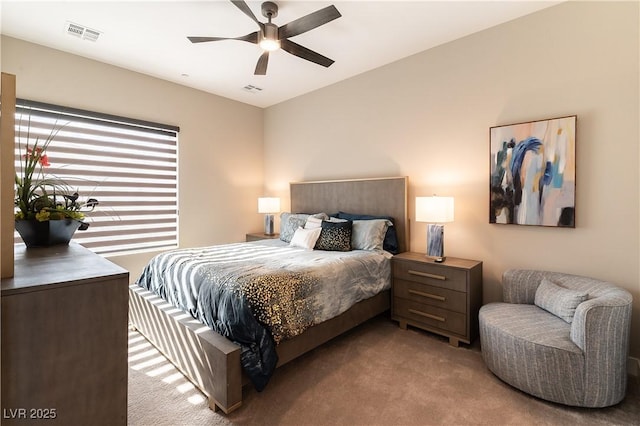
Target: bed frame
pixel 211 361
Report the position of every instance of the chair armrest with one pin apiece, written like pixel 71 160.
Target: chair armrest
pixel 520 285
pixel 603 322
pixel 601 329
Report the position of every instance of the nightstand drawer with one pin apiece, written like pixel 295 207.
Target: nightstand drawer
pixel 430 295
pixel 431 274
pixel 431 316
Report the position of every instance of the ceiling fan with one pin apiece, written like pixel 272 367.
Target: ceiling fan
pixel 270 37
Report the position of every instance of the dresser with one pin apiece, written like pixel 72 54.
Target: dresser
pixel 442 298
pixel 64 339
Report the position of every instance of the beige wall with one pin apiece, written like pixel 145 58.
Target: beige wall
pixel 428 117
pixel 220 141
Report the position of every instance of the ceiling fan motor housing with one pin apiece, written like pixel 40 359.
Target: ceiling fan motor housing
pixel 269 10
pixel 270 31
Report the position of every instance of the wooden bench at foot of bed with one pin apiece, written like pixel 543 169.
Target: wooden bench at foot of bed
pixel 212 362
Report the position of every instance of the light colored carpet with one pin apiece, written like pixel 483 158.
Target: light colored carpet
pixel 376 374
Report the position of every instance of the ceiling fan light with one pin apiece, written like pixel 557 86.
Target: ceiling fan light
pixel 269 45
pixel 269 40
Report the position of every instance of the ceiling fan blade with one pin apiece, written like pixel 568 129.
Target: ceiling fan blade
pixel 261 66
pixel 240 4
pixel 304 53
pixel 308 22
pixel 205 39
pixel 252 38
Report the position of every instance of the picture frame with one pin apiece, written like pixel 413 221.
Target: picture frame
pixel 533 173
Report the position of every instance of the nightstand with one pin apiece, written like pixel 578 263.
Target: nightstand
pixel 255 236
pixel 442 298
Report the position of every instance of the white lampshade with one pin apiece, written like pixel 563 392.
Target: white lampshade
pixel 434 209
pixel 268 205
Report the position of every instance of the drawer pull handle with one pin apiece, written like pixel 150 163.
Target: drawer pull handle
pixel 424 274
pixel 424 314
pixel 429 295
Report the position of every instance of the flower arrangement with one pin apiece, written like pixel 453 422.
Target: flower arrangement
pixel 44 198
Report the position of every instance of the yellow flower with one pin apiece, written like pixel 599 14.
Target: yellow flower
pixel 42 215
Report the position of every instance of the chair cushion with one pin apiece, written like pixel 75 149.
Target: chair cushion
pixel 561 302
pixel 531 349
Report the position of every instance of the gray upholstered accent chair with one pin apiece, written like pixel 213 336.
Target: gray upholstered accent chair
pixel 560 337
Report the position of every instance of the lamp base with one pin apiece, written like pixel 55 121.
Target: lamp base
pixel 268 224
pixel 435 242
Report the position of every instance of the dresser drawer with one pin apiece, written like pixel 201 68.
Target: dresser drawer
pixel 431 316
pixel 430 295
pixel 430 274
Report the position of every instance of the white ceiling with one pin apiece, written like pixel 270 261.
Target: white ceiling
pixel 150 37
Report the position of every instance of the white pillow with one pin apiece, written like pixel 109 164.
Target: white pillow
pixel 336 219
pixel 369 234
pixel 305 238
pixel 313 223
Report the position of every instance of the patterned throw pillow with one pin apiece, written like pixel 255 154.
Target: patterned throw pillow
pixel 561 302
pixel 335 236
pixel 289 223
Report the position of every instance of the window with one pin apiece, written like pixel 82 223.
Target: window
pixel 130 166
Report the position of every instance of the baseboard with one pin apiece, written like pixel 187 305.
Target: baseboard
pixel 633 366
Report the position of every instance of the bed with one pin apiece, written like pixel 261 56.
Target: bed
pixel 213 362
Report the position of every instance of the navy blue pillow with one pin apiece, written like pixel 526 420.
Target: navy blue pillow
pixel 390 243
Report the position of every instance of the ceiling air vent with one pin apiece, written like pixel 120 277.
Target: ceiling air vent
pixel 252 89
pixel 81 31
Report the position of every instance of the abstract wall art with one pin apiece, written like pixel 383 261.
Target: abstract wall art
pixel 533 173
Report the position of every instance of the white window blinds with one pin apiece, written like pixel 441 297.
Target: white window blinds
pixel 130 166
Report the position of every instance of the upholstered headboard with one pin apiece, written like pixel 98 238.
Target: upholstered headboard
pixel 375 196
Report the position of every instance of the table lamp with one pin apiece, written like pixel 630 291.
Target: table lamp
pixel 268 206
pixel 435 211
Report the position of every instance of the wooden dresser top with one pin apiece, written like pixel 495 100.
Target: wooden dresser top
pixel 39 269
